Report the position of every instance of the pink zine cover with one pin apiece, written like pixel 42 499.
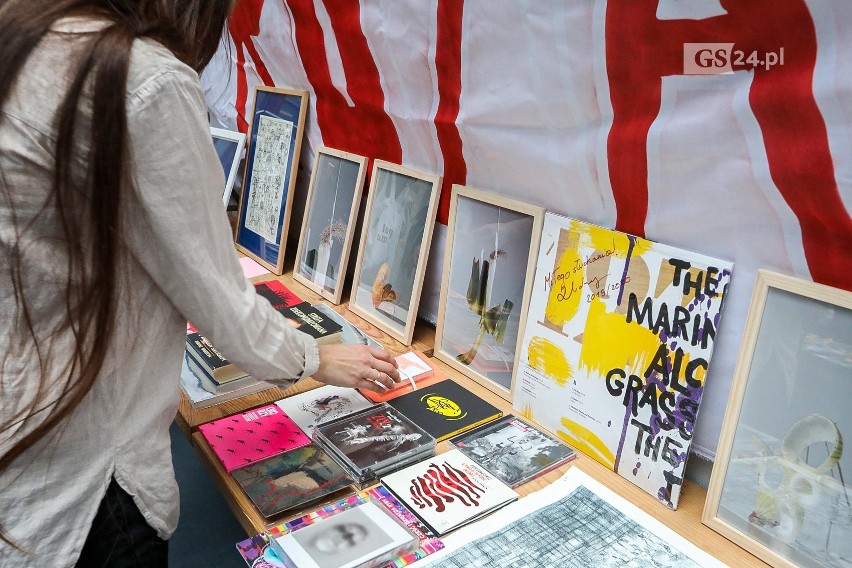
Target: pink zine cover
pixel 257 434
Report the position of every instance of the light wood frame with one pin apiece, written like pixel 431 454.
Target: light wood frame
pixel 315 194
pixel 239 141
pixel 285 104
pixel 536 213
pixel 747 375
pixel 381 169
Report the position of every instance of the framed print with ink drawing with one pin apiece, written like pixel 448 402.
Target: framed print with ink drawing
pixel 274 144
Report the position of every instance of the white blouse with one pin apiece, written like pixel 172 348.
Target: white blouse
pixel 180 265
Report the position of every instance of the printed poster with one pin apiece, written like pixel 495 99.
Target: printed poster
pixel 617 347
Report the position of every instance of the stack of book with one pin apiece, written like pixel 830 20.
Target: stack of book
pixel 203 393
pixel 210 378
pixel 374 442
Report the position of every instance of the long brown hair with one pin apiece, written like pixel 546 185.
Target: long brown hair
pixel 88 203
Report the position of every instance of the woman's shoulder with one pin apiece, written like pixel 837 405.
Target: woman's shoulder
pixel 153 66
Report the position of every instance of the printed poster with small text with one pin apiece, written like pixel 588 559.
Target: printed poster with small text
pixel 617 347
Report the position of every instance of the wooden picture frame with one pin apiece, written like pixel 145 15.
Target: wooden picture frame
pixel 274 143
pixel 481 316
pixel 777 488
pixel 395 240
pixel 331 212
pixel 229 147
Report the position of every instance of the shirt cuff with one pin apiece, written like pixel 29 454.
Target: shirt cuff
pixel 311 357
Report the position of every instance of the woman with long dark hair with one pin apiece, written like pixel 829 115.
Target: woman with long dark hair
pixel 112 235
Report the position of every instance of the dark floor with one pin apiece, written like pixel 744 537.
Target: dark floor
pixel 207 530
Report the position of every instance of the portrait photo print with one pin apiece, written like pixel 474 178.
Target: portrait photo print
pixel 346 540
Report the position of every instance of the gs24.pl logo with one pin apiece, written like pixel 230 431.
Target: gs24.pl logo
pixel 717 58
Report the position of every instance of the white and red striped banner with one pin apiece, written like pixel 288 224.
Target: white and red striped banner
pixel 585 108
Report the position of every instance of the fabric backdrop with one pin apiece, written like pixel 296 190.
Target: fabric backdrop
pixel 587 108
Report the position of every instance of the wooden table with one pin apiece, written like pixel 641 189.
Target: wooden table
pixel 686 520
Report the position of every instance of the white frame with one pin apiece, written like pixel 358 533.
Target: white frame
pixel 240 139
pixel 765 281
pixel 334 295
pixel 537 214
pixel 404 335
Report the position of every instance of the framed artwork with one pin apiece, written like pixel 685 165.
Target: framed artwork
pixel 779 483
pixel 328 228
pixel 395 240
pixel 274 142
pixel 229 147
pixel 489 265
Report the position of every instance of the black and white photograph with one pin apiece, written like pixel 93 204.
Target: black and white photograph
pixel 329 223
pixel 488 264
pixel 374 436
pixel 513 450
pixel 398 223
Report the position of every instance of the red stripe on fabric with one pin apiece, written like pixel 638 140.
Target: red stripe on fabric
pixel 796 140
pixel 640 49
pixel 244 25
pixel 365 128
pixel 448 66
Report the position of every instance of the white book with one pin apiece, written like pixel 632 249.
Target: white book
pixel 359 537
pixel 448 490
pixel 321 405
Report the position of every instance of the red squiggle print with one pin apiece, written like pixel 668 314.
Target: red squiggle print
pixel 442 484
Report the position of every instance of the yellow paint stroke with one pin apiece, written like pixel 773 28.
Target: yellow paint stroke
pixel 563 301
pixel 603 239
pixel 610 342
pixel 527 412
pixel 548 359
pixel 583 439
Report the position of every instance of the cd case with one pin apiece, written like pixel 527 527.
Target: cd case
pixel 290 480
pixel 374 441
pixel 513 450
pixel 363 536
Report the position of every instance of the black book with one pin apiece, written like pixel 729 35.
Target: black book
pixel 308 319
pixel 445 409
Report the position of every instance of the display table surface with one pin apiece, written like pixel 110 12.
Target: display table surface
pixel 686 520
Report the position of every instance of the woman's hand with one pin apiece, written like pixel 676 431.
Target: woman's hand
pixel 356 366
